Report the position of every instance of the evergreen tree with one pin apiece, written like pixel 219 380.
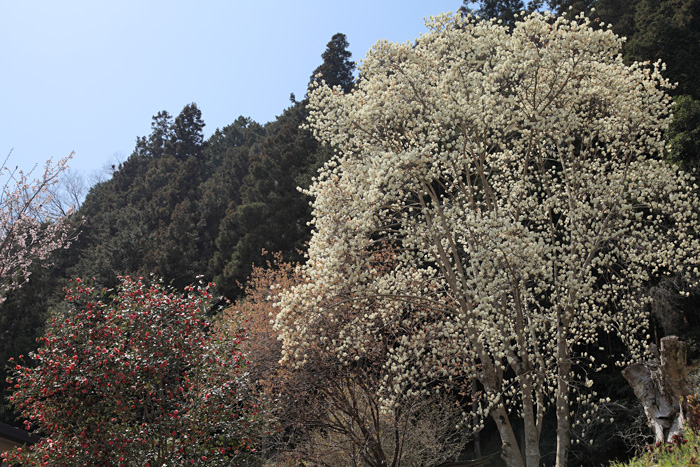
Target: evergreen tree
pixel 272 214
pixel 684 133
pixel 227 157
pixel 669 30
pixel 160 140
pixel 337 68
pixel 619 13
pixel 505 10
pixel 187 131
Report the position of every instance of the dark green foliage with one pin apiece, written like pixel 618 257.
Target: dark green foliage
pixel 272 214
pixel 684 133
pixel 160 140
pixel 226 157
pixel 188 136
pixel 571 7
pixel 182 138
pixel 505 10
pixel 336 69
pixel 160 212
pixel 669 30
pixel 619 13
pixel 181 206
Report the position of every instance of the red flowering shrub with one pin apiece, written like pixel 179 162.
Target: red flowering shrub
pixel 136 378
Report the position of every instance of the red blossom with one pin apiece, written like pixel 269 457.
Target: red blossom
pixel 142 360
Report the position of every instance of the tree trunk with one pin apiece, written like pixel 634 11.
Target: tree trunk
pixel 531 444
pixel 477 435
pixel 562 401
pixel 661 384
pixel 510 452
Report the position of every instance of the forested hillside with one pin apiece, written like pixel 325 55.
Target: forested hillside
pixel 183 206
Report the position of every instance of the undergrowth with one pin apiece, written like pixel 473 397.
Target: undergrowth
pixel 681 451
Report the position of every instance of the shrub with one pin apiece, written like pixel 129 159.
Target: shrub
pixel 136 378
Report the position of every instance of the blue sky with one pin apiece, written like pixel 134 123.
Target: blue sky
pixel 87 76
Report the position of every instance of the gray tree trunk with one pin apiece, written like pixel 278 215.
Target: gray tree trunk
pixel 661 384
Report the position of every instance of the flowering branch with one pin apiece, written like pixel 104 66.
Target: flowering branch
pixel 28 230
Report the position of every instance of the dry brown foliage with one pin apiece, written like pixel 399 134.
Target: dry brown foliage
pixel 329 410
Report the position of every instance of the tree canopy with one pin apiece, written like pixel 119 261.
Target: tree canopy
pixel 516 177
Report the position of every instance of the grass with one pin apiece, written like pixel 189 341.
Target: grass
pixel 684 452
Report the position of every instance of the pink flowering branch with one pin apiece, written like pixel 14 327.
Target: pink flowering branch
pixel 28 231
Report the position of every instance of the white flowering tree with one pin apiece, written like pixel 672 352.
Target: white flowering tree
pixel 29 231
pixel 516 177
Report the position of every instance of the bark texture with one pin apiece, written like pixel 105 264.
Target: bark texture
pixel 661 384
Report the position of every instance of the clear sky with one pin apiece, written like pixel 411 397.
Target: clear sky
pixel 87 75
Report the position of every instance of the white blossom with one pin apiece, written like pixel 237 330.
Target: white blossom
pixel 516 177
